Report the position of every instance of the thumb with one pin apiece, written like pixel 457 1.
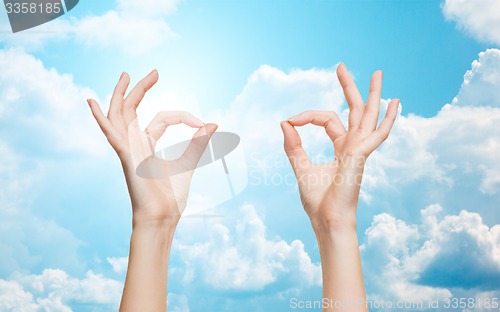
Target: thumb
pixel 102 120
pixel 189 160
pixel 293 148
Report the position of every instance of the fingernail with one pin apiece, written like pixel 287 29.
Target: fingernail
pixel 153 71
pixel 292 118
pixel 215 126
pixel 88 101
pixel 215 130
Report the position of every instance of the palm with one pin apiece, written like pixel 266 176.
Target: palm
pixel 318 179
pixel 313 185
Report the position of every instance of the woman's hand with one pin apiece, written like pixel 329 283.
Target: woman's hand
pixel 329 192
pixel 158 188
pixel 160 198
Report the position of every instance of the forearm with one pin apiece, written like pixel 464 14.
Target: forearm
pixel 146 281
pixel 343 286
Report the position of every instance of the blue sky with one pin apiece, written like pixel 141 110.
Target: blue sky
pixel 430 194
pixel 407 39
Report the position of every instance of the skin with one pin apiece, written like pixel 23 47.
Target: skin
pixel 157 204
pixel 330 192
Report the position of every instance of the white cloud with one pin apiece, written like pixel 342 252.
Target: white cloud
pixel 44 115
pixel 479 18
pixel 14 298
pixel 119 264
pixel 270 96
pixel 462 242
pixel 45 108
pixel 245 259
pixel 481 86
pixel 55 290
pixel 177 303
pixel 459 143
pixel 437 258
pixel 123 30
pixel 28 240
pixel 131 27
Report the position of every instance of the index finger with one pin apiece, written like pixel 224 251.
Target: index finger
pixel 326 119
pixel 163 120
pixel 135 96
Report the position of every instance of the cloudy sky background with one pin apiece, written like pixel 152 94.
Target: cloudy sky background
pixel 429 209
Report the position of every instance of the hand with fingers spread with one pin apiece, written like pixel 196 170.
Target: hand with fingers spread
pixel 329 192
pixel 158 195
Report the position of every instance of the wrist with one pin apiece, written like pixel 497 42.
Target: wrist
pixel 335 222
pixel 151 223
pixel 340 233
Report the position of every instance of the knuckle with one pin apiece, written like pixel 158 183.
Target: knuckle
pixel 142 87
pixel 332 115
pixel 158 117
